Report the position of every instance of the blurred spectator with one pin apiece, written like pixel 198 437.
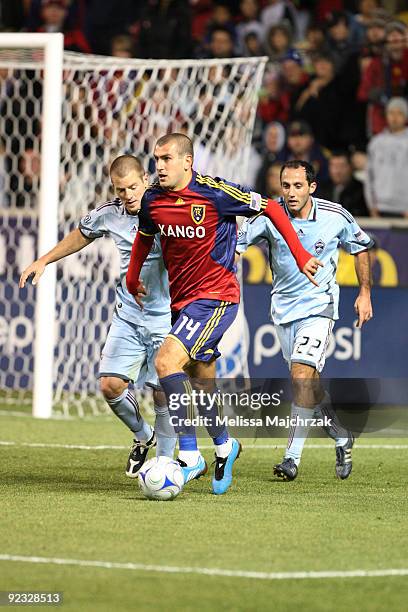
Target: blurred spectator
pixel 323 8
pixel 252 46
pixel 272 106
pixel 343 37
pixel 359 163
pixel 272 184
pixel 249 22
pixel 201 15
pixel 387 177
pixel 374 41
pixel 273 143
pixel 385 76
pixel 277 12
pixel 293 82
pixel 105 19
pixel 11 15
pixel 165 30
pixel 320 104
pixel 314 44
pixel 366 11
pixel 53 19
pixel 221 44
pixel 221 17
pixel 278 42
pixel 301 145
pixel 342 187
pixel 122 45
pixel 27 184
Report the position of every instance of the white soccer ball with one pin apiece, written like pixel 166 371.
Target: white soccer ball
pixel 161 478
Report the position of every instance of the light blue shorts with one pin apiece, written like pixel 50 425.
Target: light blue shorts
pixel 130 350
pixel 305 341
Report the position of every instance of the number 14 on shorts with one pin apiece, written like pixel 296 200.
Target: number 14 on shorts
pixel 188 325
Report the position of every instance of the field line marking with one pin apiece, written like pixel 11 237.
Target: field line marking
pixel 58 417
pixel 203 446
pixel 208 571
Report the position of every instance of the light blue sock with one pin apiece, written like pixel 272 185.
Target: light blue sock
pixel 166 436
pixel 336 431
pixel 298 433
pixel 126 408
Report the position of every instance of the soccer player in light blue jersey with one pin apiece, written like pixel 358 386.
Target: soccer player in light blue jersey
pixel 135 335
pixel 303 314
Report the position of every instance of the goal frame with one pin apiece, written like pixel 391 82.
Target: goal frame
pixel 68 78
pixel 45 308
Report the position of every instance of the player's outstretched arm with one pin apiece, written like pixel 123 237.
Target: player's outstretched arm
pixel 362 305
pixel 305 261
pixel 72 243
pixel 140 250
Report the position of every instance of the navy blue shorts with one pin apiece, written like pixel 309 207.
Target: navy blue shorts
pixel 200 325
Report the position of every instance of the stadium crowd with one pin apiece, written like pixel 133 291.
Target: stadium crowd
pixel 334 93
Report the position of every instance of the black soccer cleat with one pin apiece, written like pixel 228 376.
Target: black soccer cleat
pixel 138 455
pixel 287 470
pixel 344 463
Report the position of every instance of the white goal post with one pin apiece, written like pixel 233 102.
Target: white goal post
pixel 53 46
pixel 72 114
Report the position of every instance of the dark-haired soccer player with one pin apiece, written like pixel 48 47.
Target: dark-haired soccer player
pixel 303 315
pixel 196 218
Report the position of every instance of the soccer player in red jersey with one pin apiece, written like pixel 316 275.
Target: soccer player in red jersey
pixel 196 218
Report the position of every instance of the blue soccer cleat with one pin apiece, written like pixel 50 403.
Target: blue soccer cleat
pixel 223 469
pixel 193 472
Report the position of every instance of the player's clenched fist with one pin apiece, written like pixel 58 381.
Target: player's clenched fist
pixel 310 269
pixel 139 293
pixel 36 268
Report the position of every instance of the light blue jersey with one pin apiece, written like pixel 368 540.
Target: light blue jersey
pixel 328 227
pixel 111 219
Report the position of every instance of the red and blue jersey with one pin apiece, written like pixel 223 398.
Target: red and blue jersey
pixel 198 233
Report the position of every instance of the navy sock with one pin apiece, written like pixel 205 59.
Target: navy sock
pixel 212 411
pixel 177 388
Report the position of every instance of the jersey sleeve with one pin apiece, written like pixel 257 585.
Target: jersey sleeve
pixel 353 239
pixel 93 225
pixel 146 225
pixel 233 199
pixel 252 231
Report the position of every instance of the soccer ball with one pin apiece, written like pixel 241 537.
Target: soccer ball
pixel 161 478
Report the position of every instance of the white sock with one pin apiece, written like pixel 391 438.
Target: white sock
pixel 190 458
pixel 336 431
pixel 223 450
pixel 298 433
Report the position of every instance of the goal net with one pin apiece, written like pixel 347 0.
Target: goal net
pixel 110 107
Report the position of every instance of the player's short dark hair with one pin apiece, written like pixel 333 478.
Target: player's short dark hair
pixel 300 163
pixel 184 143
pixel 124 164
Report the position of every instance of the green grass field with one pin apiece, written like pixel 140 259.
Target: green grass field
pixel 69 503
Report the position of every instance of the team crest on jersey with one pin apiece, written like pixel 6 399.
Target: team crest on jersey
pixel 319 247
pixel 198 213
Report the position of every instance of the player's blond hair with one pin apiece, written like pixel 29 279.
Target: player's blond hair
pixel 124 164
